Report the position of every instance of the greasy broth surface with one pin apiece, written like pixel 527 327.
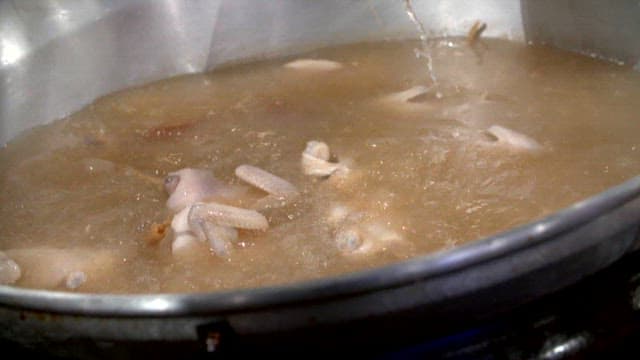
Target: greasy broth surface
pixel 91 178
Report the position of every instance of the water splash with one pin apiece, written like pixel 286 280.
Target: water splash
pixel 424 52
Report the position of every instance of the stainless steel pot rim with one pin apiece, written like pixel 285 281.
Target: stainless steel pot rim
pixel 390 276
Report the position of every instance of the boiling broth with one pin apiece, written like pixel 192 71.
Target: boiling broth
pixel 424 169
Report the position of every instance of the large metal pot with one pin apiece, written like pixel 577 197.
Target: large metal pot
pixel 58 56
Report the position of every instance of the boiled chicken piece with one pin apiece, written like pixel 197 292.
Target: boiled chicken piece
pixel 513 139
pixel 408 95
pixel 10 272
pixel 407 99
pixel 187 186
pixel 315 65
pixel 49 268
pixel 279 191
pixel 365 238
pixel 218 224
pixel 183 238
pixel 315 160
pixel 204 215
pixel 356 233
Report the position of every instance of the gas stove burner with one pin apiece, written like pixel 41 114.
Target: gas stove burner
pixel 597 317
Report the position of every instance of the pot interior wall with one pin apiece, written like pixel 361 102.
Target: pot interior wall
pixel 60 56
pixel 56 57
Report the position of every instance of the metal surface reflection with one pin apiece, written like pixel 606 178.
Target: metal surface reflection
pixel 60 55
pixel 564 347
pixel 11 52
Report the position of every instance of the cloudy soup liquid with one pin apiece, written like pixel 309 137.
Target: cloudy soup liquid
pixel 424 171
